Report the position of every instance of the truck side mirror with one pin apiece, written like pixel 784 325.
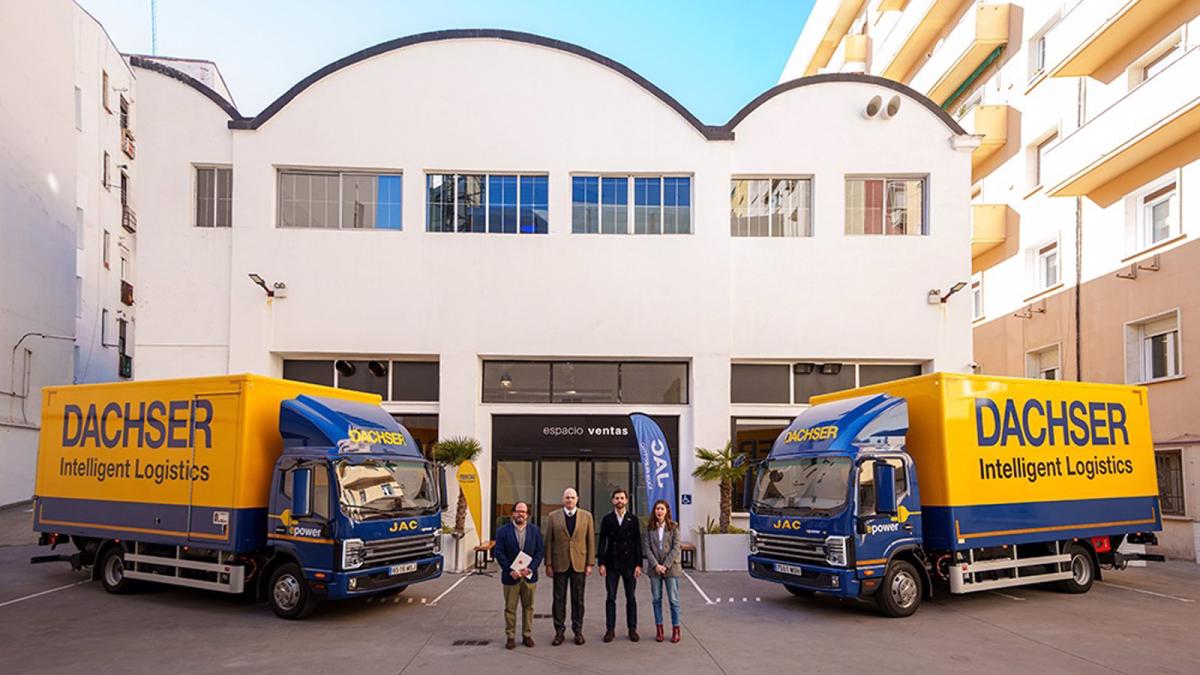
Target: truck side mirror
pixel 885 489
pixel 301 492
pixel 443 501
pixel 748 488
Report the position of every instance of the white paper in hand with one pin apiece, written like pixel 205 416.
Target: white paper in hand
pixel 521 562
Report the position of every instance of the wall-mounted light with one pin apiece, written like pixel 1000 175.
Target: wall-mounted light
pixel 803 368
pixel 831 368
pixel 936 297
pixel 378 368
pixel 276 290
pixel 345 368
pixel 506 381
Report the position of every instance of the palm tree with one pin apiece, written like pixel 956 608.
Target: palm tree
pixel 454 451
pixel 720 465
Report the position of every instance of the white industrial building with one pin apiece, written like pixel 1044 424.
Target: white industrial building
pixel 431 220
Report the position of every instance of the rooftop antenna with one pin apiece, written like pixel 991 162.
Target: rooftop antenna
pixel 154 27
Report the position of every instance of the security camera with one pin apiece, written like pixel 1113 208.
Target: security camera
pixel 974 366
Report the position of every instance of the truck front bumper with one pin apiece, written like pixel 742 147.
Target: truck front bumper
pixel 838 581
pixel 368 580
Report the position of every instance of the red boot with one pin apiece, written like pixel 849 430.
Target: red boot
pixel 674 633
pixel 658 636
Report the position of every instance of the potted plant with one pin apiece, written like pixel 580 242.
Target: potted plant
pixel 451 452
pixel 723 546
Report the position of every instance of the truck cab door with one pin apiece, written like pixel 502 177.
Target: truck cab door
pixel 881 534
pixel 311 534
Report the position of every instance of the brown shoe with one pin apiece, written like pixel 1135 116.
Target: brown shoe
pixel 510 643
pixel 528 642
pixel 658 633
pixel 579 639
pixel 608 636
pixel 558 639
pixel 633 635
pixel 675 634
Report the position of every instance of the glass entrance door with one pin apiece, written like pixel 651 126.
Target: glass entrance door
pixel 556 476
pixel 541 482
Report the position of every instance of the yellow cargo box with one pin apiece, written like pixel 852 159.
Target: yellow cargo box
pixel 175 461
pixel 1001 460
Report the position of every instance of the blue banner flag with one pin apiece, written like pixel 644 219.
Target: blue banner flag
pixel 657 471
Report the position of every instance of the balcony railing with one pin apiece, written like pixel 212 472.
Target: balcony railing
pixel 128 218
pixel 1099 38
pixel 973 43
pixel 127 143
pixel 126 293
pixel 125 366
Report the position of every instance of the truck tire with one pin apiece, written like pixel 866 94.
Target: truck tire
pixel 289 594
pixel 901 591
pixel 799 592
pixel 112 571
pixel 1083 571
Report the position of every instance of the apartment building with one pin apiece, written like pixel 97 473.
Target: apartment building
pixel 67 218
pixel 1084 186
pixel 528 258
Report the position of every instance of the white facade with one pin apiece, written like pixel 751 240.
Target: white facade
pixel 54 287
pixel 705 298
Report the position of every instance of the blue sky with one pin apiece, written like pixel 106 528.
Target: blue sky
pixel 712 56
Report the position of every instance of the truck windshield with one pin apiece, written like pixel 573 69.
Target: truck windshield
pixel 379 489
pixel 813 486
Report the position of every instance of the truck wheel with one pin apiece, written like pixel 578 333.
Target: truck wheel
pixel 289 594
pixel 1083 571
pixel 799 592
pixel 112 571
pixel 900 593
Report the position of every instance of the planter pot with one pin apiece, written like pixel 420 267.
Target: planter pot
pixel 455 557
pixel 724 552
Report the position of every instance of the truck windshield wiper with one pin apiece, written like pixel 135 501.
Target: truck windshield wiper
pixel 767 510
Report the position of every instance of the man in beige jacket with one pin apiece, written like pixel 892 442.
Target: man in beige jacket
pixel 570 534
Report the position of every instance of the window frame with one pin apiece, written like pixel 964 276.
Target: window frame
pixel 791 364
pixel 1041 256
pixel 1177 453
pixel 486 203
pixel 106 176
pixel 104 87
pixel 687 395
pixel 771 204
pixel 106 256
pixel 1138 368
pixel 886 206
pixel 630 204
pixel 1033 364
pixel 215 204
pixel 1039 148
pixel 1164 190
pixel 977 297
pixel 341 174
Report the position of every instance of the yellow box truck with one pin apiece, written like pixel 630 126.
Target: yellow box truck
pixel 977 482
pixel 296 492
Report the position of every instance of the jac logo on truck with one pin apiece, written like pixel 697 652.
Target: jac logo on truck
pixel 1037 423
pixel 403 526
pixel 786 525
pixel 373 436
pixel 813 434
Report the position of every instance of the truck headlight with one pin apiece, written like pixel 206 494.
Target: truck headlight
pixel 835 551
pixel 437 543
pixel 352 554
pixel 753 542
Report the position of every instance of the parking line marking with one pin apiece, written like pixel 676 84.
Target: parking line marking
pixel 745 600
pixel 1128 588
pixel 447 591
pixel 699 590
pixel 34 595
pixel 410 601
pixel 1006 595
pixel 758 599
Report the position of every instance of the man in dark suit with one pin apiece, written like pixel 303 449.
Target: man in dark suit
pixel 512 539
pixel 620 561
pixel 570 553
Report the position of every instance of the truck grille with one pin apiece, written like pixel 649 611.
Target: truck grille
pixel 797 549
pixel 394 551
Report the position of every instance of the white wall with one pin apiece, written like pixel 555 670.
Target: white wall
pixel 37 226
pixel 465 297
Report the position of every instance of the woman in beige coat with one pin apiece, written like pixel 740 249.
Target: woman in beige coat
pixel 661 545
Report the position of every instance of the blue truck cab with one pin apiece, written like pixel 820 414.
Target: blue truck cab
pixel 353 502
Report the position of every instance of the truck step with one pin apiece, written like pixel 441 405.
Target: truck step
pixel 236 573
pixel 1009 563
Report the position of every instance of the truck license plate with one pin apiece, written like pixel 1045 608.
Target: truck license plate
pixel 402 569
pixel 788 569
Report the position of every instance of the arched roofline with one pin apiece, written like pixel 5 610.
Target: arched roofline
pixel 207 91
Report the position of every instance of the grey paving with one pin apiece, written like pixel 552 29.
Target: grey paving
pixel 751 627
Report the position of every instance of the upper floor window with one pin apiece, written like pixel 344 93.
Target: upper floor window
pixel 888 206
pixel 796 383
pixel 1037 54
pixel 500 203
pixel 1037 156
pixel 1044 364
pixel 333 200
pixel 770 207
pixel 585 382
pixel 405 380
pixel 104 90
pixel 1155 213
pixel 977 296
pixel 214 196
pixel 1159 62
pixel 1152 348
pixel 1169 466
pixel 661 204
pixel 124 107
pixel 78 109
pixel 1047 266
